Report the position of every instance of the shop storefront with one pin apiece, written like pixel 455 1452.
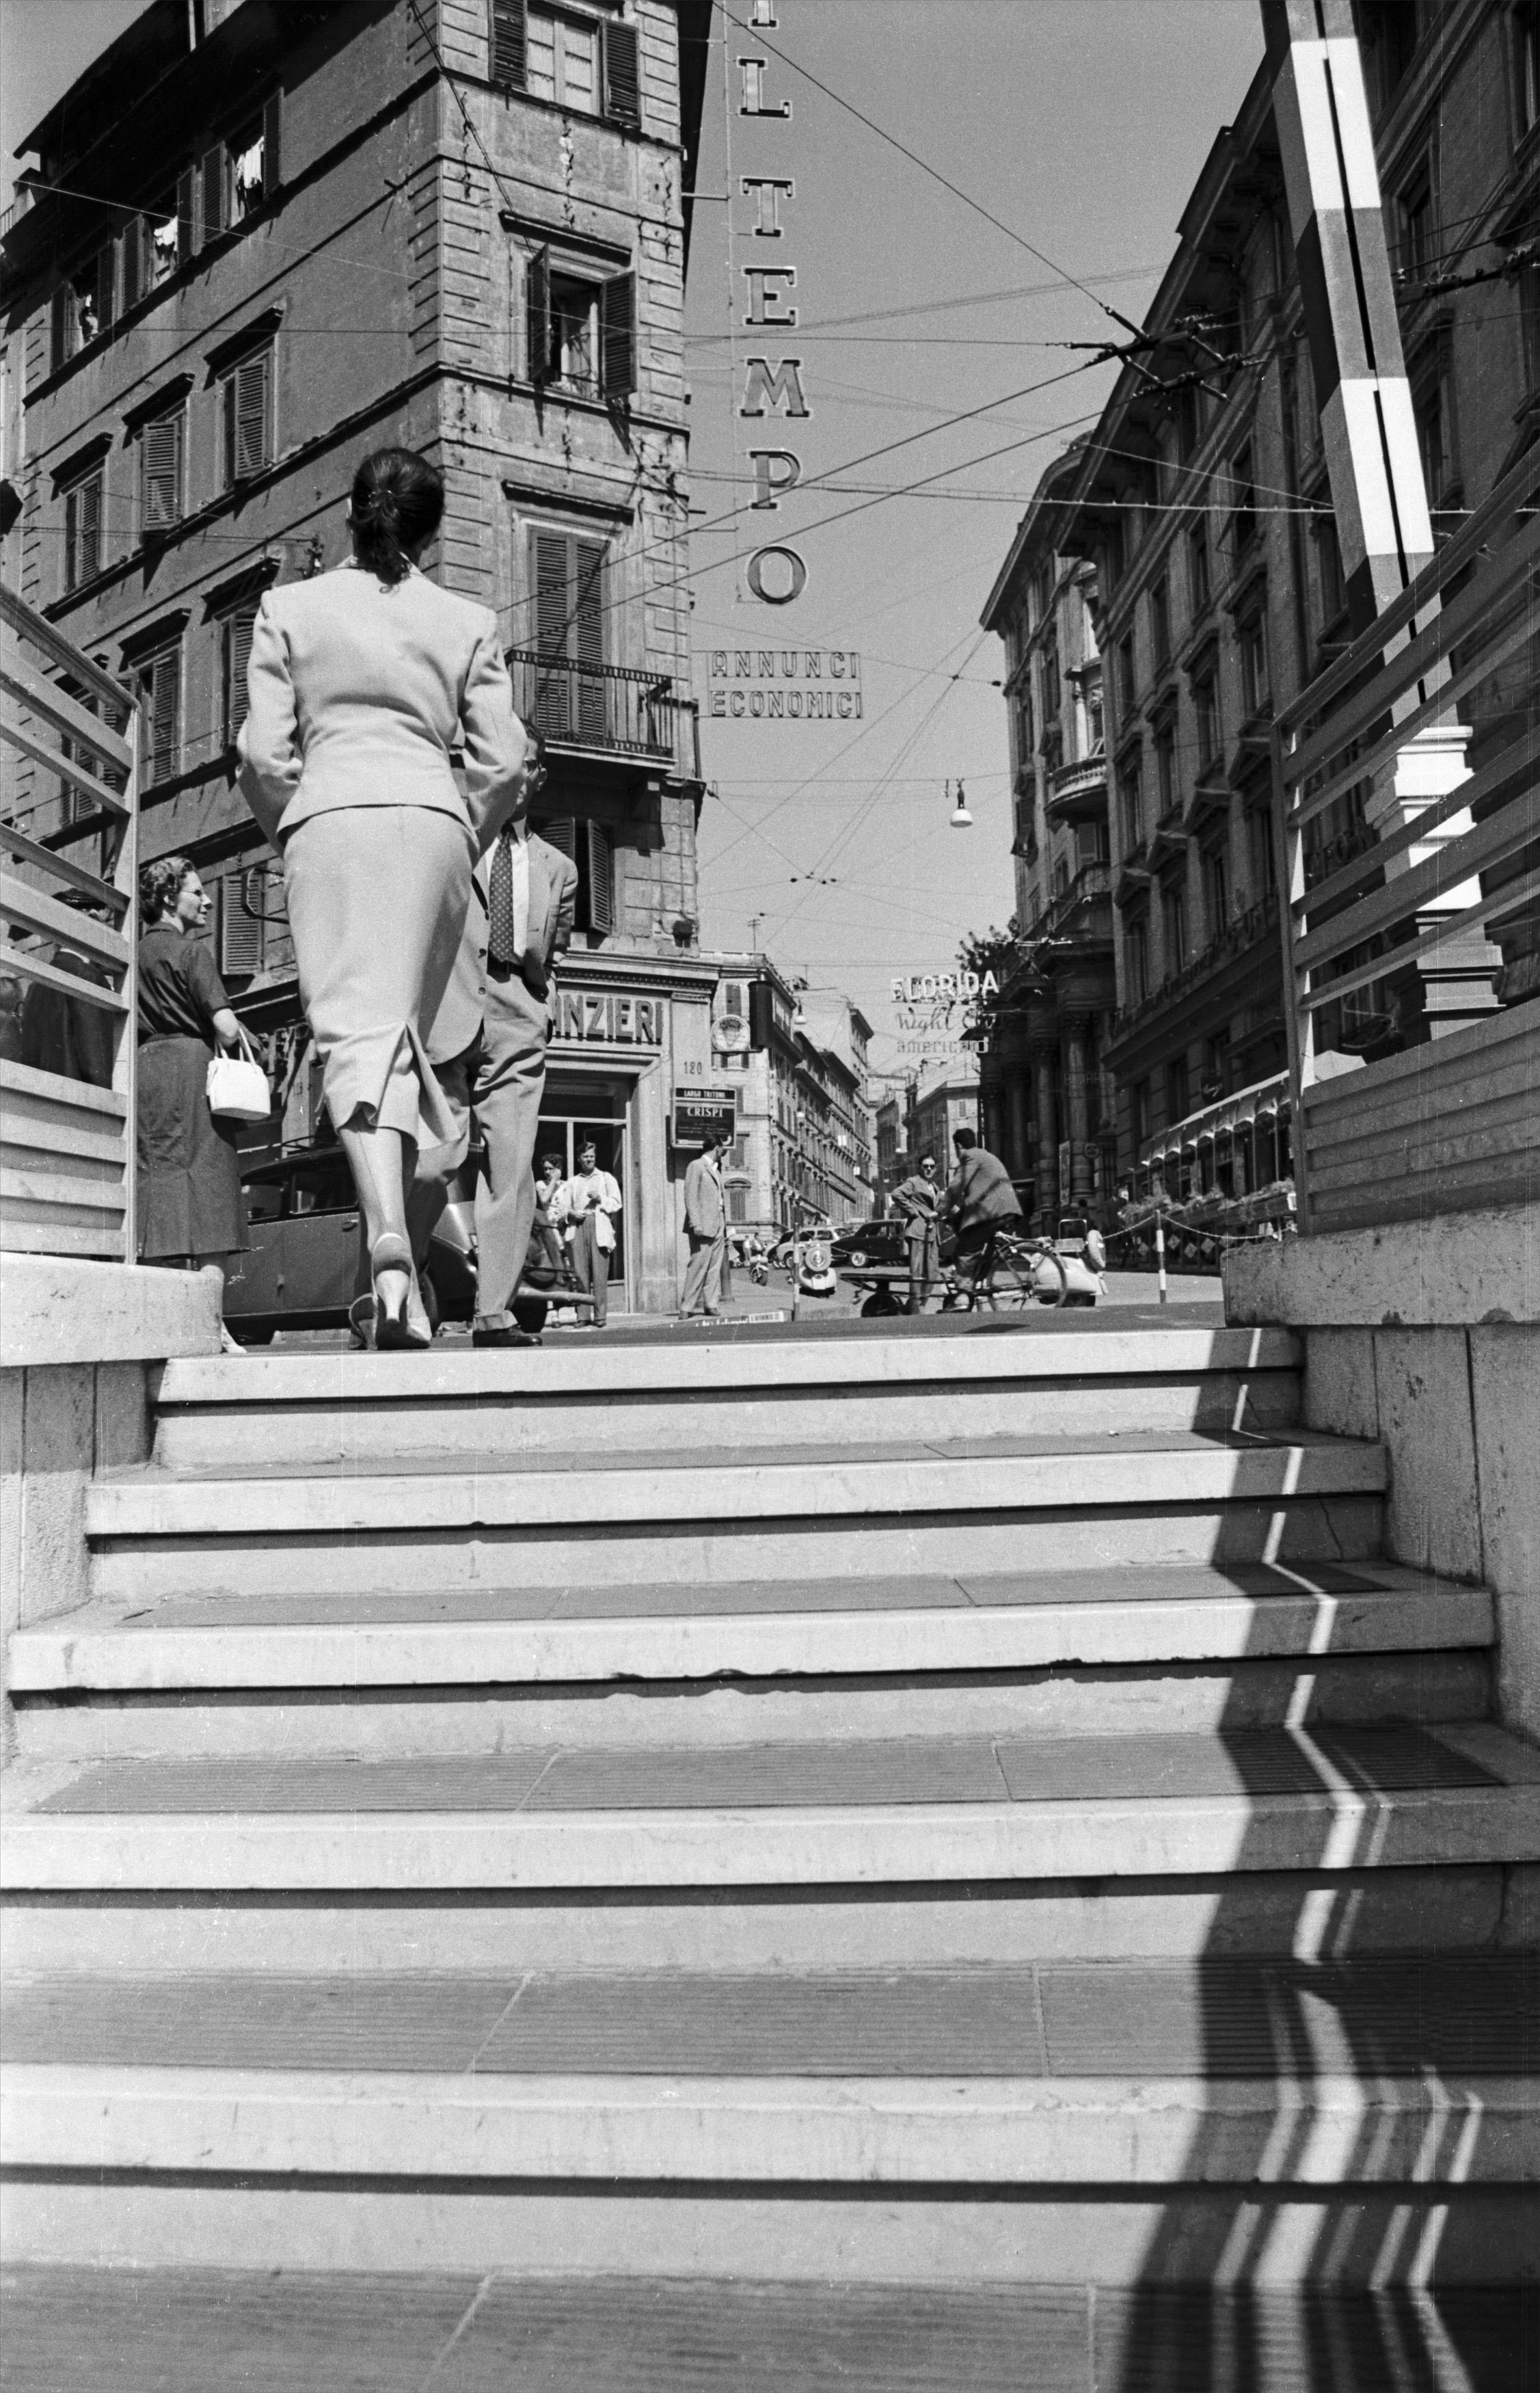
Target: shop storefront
pixel 632 1034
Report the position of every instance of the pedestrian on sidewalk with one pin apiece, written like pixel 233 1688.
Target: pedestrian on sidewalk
pixel 917 1203
pixel 982 1201
pixel 706 1228
pixel 592 1201
pixel 361 683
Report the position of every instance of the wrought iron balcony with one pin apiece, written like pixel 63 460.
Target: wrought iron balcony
pixel 1079 909
pixel 606 709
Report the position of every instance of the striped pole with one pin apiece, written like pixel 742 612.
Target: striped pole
pixel 1370 433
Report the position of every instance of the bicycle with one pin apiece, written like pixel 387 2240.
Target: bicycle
pixel 1012 1272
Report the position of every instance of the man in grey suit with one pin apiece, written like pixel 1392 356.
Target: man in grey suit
pixel 487 1045
pixel 706 1228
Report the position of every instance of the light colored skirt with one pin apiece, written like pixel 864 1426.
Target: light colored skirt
pixel 377 898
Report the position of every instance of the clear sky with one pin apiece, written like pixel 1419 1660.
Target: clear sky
pixel 1081 126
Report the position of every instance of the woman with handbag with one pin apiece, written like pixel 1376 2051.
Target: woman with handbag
pixel 190 1208
pixel 362 683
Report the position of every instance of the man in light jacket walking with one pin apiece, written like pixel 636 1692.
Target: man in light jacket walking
pixel 706 1228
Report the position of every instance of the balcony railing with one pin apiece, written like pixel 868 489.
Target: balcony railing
pixel 606 709
pixel 1078 792
pixel 1092 880
pixel 1241 932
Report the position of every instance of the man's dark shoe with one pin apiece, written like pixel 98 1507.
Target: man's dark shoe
pixel 500 1329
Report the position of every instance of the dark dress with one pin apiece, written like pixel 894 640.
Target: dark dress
pixel 189 1174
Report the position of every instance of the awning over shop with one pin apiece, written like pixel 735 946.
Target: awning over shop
pixel 1231 1113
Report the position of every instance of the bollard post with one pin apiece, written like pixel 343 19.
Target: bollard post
pixel 1160 1255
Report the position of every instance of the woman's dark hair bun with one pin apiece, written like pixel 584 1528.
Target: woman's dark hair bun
pixel 397 504
pixel 160 884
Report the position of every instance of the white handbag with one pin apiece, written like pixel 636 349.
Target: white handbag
pixel 238 1087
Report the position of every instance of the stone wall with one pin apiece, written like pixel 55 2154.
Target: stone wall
pixel 1428 1336
pixel 80 1347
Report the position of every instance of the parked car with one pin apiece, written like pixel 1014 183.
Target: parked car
pixel 870 1242
pixel 299 1270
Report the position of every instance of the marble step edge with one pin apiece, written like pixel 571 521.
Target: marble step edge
pixel 773 1846
pixel 69 1656
pixel 1332 2129
pixel 155 1503
pixel 759 1367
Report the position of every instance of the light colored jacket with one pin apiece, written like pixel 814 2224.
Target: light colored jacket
pixel 552 901
pixel 704 1214
pixel 357 692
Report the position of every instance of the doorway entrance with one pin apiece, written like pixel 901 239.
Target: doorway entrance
pixel 577 1112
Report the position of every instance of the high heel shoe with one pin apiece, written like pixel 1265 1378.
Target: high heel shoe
pixel 391 1254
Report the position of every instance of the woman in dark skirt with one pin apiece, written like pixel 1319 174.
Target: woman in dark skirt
pixel 191 1211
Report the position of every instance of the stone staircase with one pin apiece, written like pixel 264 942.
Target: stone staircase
pixel 854 1860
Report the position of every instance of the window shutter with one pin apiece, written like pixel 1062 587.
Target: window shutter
pixel 562 834
pixel 601 879
pixel 623 75
pixel 161 689
pixel 187 225
pixel 586 638
pixel 272 156
pixel 240 932
pixel 247 412
pixel 553 687
pixel 538 316
pixel 618 338
pixel 61 318
pixel 238 631
pixel 107 285
pixel 162 468
pixel 214 192
pixel 86 544
pixel 510 43
pixel 133 261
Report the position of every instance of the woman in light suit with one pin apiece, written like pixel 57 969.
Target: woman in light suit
pixel 360 683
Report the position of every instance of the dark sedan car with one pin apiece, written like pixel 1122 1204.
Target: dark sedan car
pixel 299 1270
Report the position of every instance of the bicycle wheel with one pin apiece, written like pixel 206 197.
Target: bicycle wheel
pixel 1010 1283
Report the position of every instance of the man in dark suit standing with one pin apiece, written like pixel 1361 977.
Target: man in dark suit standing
pixel 487 1046
pixel 981 1200
pixel 706 1228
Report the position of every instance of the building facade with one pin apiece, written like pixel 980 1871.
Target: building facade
pixel 259 242
pixel 939 1104
pixel 803 1145
pixel 1202 507
pixel 1047 1090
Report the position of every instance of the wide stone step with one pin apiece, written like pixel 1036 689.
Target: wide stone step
pixel 969 1505
pixel 482 1669
pixel 911 1811
pixel 181 2330
pixel 1438 2017
pixel 305 1409
pixel 555 1635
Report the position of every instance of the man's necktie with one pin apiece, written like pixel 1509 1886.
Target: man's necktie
pixel 499 902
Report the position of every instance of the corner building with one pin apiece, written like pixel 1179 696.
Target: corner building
pixel 1200 513
pixel 259 242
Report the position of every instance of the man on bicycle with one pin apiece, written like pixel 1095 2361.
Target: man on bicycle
pixel 981 1200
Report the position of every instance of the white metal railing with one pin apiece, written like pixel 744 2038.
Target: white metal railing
pixel 67 1076
pixel 1408 790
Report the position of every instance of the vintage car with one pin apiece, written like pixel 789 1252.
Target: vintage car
pixel 299 1272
